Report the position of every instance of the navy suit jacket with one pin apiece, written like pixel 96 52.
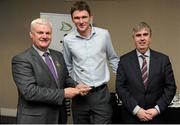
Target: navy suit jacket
pixel 41 98
pixel 161 83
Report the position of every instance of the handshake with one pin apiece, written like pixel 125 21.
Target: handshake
pixel 80 89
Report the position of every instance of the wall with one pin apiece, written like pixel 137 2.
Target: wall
pixel 118 16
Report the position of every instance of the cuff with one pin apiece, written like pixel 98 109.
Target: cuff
pixel 157 108
pixel 136 109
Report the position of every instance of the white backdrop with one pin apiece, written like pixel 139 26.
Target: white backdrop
pixel 61 25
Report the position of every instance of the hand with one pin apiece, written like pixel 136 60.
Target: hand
pixel 83 89
pixel 71 92
pixel 143 115
pixel 152 112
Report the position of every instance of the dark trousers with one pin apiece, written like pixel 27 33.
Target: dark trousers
pixel 94 108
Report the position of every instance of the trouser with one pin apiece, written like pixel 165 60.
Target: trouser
pixel 94 108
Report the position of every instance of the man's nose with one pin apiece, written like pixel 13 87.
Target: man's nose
pixel 81 20
pixel 142 37
pixel 44 35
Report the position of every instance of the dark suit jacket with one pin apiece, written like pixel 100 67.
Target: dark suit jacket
pixel 129 84
pixel 41 99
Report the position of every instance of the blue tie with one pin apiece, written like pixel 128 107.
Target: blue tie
pixel 50 65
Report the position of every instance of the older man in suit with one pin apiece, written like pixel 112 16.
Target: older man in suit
pixel 41 88
pixel 145 82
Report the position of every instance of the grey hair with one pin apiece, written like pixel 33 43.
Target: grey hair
pixel 40 21
pixel 140 26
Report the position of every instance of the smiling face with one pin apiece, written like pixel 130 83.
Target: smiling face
pixel 142 39
pixel 82 20
pixel 41 35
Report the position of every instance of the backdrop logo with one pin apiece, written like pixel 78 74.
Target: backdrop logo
pixel 65 26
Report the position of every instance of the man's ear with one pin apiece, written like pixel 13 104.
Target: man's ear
pixel 30 34
pixel 91 20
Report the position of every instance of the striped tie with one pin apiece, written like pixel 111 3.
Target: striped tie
pixel 144 71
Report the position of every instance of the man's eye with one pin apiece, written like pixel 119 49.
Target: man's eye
pixel 84 17
pixel 48 33
pixel 39 33
pixel 138 35
pixel 145 34
pixel 76 18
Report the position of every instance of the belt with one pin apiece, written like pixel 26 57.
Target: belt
pixel 95 89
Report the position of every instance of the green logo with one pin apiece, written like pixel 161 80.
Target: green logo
pixel 65 26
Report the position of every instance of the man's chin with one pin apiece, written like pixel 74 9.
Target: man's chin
pixel 143 50
pixel 81 30
pixel 43 48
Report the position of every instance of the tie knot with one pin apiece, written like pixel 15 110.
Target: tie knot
pixel 45 54
pixel 143 56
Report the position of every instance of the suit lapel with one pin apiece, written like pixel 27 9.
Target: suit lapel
pixel 39 60
pixel 58 66
pixel 152 65
pixel 137 71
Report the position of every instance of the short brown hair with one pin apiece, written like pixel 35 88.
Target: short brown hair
pixel 80 5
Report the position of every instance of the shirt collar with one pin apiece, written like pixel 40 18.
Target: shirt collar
pixel 147 53
pixel 39 51
pixel 93 32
